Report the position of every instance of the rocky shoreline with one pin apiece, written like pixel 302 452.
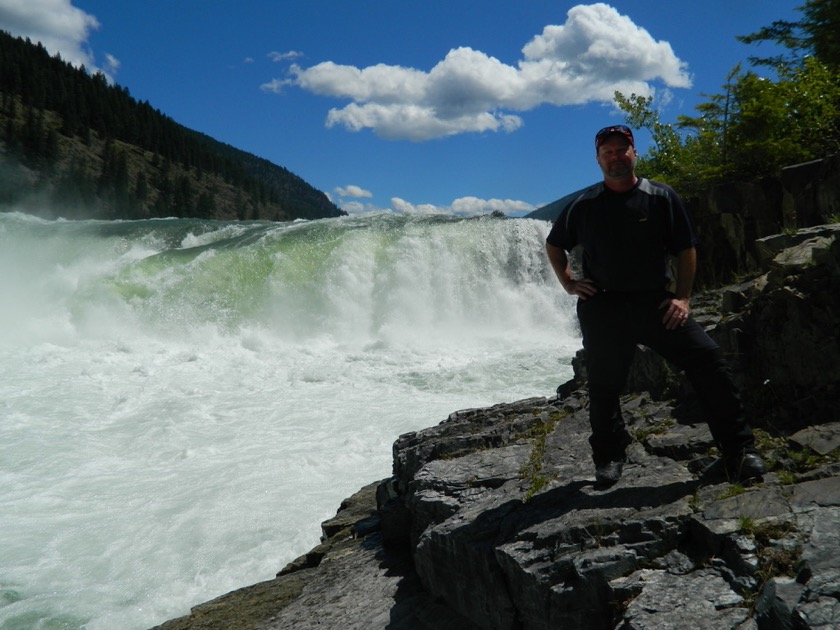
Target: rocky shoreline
pixel 491 519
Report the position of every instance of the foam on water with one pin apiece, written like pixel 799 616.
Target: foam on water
pixel 182 402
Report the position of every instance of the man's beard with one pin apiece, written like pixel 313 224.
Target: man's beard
pixel 620 170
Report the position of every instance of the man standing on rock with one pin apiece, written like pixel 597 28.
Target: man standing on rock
pixel 628 227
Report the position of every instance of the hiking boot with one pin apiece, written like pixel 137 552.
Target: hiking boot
pixel 744 467
pixel 609 473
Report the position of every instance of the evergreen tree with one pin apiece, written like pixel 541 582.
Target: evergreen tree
pixel 817 33
pixel 205 207
pixel 141 187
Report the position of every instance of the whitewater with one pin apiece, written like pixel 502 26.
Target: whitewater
pixel 183 402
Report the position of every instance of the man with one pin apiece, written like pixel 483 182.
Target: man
pixel 628 227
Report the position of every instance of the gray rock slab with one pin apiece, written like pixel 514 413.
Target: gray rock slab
pixel 701 600
pixel 756 504
pixel 822 438
pixel 361 589
pixel 817 493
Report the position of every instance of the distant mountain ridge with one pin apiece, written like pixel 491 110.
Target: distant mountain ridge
pixel 72 145
pixel 549 212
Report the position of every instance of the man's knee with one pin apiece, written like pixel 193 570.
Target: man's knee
pixel 706 361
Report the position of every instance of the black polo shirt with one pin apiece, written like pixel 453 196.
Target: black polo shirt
pixel 626 237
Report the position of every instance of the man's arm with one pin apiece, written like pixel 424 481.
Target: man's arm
pixel 677 308
pixel 686 270
pixel 560 263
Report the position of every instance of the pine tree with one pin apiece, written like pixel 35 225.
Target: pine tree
pixel 817 34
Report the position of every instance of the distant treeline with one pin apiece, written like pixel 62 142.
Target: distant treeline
pixel 73 140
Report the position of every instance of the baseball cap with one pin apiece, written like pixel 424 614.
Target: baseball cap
pixel 621 130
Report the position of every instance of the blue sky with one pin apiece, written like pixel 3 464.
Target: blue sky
pixel 454 106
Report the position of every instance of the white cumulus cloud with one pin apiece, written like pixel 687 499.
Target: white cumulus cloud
pixel 596 52
pixel 464 207
pixel 406 207
pixel 112 63
pixel 353 191
pixel 57 24
pixel 472 206
pixel 275 85
pixel 284 56
pixel 357 207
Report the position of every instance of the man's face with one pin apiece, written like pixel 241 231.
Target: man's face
pixel 616 157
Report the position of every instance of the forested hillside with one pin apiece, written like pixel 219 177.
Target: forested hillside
pixel 73 145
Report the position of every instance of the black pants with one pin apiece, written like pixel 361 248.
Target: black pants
pixel 612 324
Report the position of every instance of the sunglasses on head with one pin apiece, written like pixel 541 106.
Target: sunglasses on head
pixel 622 129
pixel 619 129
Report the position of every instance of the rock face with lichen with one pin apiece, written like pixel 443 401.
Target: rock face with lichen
pixel 492 520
